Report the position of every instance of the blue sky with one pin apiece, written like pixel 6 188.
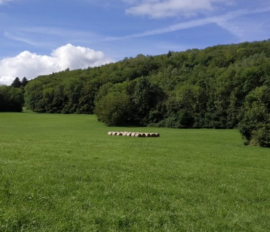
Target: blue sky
pixel 45 36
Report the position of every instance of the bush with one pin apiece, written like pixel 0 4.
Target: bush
pixel 113 110
pixel 255 123
pixel 262 135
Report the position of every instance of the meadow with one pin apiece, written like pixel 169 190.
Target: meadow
pixel 64 173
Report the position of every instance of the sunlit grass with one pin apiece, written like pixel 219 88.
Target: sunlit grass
pixel 64 173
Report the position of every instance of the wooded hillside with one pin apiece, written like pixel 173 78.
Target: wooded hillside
pixel 219 87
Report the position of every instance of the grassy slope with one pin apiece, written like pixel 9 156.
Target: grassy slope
pixel 63 173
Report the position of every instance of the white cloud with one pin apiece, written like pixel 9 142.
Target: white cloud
pixel 31 65
pixel 169 8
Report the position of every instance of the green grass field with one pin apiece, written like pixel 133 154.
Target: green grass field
pixel 64 173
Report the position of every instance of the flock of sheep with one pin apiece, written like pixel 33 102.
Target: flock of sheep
pixel 132 134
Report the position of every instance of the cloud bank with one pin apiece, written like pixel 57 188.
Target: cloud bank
pixel 171 8
pixel 31 65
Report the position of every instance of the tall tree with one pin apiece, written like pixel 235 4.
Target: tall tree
pixel 24 81
pixel 16 83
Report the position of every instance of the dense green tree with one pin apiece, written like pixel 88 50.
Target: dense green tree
pixel 11 99
pixel 255 124
pixel 24 81
pixel 2 102
pixel 114 109
pixel 34 96
pixel 145 97
pixel 103 91
pixel 87 97
pixel 16 83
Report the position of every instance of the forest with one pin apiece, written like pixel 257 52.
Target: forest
pixel 225 86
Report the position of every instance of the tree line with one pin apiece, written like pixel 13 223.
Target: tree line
pixel 12 97
pixel 225 86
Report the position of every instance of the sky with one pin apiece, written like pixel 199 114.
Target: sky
pixel 39 37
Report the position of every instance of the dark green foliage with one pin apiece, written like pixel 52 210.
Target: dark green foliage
pixel 16 83
pixel 24 81
pixel 103 91
pixel 129 103
pixel 114 109
pixel 34 97
pixel 87 98
pixel 185 107
pixel 255 124
pixel 192 89
pixel 11 99
pixel 144 100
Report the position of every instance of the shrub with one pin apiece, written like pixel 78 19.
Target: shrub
pixel 113 109
pixel 255 123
